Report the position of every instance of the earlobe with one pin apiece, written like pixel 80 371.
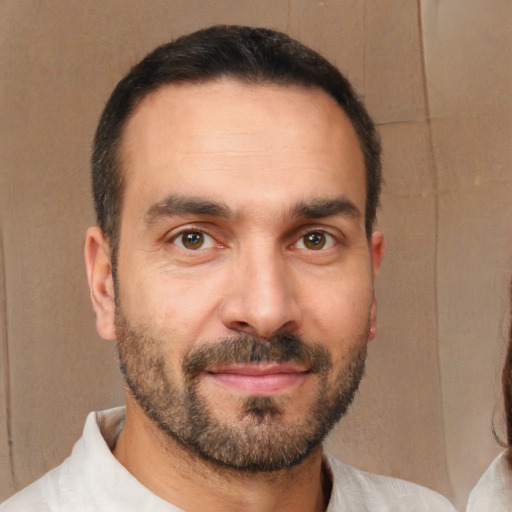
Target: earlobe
pixel 101 286
pixel 377 247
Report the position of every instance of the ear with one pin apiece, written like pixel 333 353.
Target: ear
pixel 101 284
pixel 377 246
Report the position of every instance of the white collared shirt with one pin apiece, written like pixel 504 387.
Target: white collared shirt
pixel 92 480
pixel 493 492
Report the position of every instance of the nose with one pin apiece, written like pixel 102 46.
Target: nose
pixel 262 298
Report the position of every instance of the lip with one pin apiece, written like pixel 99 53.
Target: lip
pixel 259 379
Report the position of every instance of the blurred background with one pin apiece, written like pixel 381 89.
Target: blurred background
pixel 435 74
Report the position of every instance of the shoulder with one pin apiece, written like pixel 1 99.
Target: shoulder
pixel 355 490
pixel 70 482
pixel 39 495
pixel 494 489
pixel 91 479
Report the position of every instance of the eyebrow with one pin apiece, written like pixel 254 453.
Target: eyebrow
pixel 188 205
pixel 322 208
pixel 185 205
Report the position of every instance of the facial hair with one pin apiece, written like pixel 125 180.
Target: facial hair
pixel 260 439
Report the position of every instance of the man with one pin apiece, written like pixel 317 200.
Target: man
pixel 236 179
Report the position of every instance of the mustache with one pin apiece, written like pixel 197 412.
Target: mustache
pixel 281 348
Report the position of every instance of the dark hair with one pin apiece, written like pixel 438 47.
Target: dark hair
pixel 251 55
pixel 506 380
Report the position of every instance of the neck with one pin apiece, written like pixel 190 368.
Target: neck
pixel 191 483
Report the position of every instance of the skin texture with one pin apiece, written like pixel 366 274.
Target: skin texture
pixel 272 178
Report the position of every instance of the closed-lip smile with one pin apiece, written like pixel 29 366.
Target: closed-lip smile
pixel 258 379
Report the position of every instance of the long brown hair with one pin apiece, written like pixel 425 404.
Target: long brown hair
pixel 506 380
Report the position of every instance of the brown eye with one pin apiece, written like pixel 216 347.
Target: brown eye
pixel 315 240
pixel 192 240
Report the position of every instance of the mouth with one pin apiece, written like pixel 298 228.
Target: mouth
pixel 258 379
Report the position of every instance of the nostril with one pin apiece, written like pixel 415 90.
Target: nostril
pixel 242 326
pixel 289 326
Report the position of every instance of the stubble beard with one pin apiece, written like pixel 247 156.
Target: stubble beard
pixel 260 438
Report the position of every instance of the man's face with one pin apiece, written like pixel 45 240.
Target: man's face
pixel 244 274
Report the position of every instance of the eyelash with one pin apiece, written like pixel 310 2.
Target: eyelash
pixel 178 236
pixel 331 240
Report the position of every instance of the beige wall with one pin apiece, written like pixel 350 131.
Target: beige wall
pixel 435 74
pixel 469 75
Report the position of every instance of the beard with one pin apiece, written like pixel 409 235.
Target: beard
pixel 260 438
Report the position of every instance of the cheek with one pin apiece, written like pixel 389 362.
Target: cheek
pixel 184 309
pixel 341 307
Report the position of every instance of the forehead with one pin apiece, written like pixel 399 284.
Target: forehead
pixel 220 136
